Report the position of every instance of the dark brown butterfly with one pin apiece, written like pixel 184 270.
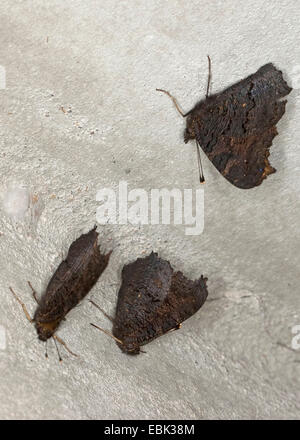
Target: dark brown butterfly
pixel 153 300
pixel 71 282
pixel 235 128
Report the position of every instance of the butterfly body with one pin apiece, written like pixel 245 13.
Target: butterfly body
pixel 71 282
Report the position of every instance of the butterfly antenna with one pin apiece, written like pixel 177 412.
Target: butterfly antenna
pixel 209 76
pixel 34 294
pixel 200 167
pixel 59 356
pixel 46 352
pixel 23 305
pixel 101 310
pixel 174 101
pixel 107 333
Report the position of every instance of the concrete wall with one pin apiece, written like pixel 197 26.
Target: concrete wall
pixel 80 112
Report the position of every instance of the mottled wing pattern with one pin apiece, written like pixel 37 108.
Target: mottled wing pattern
pixel 73 278
pixel 236 127
pixel 153 300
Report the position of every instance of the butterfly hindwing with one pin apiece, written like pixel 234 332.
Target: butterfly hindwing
pixel 153 300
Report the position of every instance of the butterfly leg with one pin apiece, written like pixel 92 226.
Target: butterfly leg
pixel 58 339
pixel 58 353
pixel 23 306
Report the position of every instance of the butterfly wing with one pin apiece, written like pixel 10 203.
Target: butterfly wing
pixel 236 127
pixel 153 300
pixel 73 278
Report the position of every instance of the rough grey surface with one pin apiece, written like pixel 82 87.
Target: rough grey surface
pixel 80 112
